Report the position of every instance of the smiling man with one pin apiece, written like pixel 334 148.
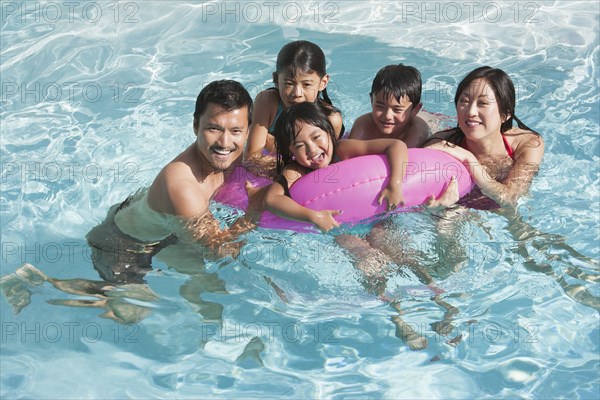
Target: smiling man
pixel 175 207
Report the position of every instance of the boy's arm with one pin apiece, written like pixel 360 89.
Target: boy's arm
pixel 278 203
pixel 397 155
pixel 261 117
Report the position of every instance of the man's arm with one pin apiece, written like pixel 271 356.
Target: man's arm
pixel 206 230
pixel 176 192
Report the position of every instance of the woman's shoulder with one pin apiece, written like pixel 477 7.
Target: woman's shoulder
pixel 521 134
pixel 527 145
pixel 523 138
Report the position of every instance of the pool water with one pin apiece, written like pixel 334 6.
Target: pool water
pixel 96 97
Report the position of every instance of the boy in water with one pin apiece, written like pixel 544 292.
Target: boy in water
pixel 396 114
pixel 395 101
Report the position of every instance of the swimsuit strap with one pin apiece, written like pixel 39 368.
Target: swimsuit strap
pixel 282 180
pixel 509 149
pixel 277 114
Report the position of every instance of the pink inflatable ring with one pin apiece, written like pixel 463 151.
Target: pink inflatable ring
pixel 353 186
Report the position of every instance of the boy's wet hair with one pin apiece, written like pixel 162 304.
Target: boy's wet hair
pixel 229 94
pixel 398 81
pixel 286 128
pixel 301 56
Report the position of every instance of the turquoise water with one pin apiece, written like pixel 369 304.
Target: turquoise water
pixel 96 97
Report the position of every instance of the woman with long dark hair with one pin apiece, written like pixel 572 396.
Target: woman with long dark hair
pixel 502 159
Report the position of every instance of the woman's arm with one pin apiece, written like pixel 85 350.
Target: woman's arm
pixel 280 204
pixel 528 157
pixel 397 156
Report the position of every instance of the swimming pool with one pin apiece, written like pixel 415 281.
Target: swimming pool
pixel 97 96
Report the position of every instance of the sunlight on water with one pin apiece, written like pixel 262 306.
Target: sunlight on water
pixel 96 97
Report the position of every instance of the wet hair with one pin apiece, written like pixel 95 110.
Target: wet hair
pixel 230 95
pixel 398 81
pixel 302 56
pixel 504 92
pixel 286 128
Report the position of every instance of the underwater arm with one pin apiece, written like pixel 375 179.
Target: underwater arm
pixel 205 228
pixel 507 192
pixel 528 157
pixel 189 202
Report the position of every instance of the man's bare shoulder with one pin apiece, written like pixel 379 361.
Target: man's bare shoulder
pixel 180 168
pixel 178 191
